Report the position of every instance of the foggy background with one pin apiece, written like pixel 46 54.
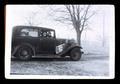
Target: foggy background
pixel 95 39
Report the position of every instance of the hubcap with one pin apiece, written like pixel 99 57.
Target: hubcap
pixel 24 53
pixel 76 55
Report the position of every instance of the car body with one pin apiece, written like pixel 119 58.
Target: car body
pixel 28 41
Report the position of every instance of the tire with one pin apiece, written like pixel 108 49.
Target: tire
pixel 75 54
pixel 24 53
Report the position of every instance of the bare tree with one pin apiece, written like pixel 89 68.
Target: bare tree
pixel 76 15
pixel 32 19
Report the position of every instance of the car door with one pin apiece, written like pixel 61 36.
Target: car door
pixel 47 42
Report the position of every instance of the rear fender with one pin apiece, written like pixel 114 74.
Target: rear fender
pixel 25 44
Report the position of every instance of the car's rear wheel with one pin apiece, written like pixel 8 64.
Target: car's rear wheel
pixel 24 53
pixel 75 54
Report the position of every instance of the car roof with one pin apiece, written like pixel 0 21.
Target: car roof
pixel 20 27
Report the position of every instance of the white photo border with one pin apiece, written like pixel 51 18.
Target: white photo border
pixel 8 36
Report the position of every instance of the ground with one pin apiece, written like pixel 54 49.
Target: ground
pixel 89 65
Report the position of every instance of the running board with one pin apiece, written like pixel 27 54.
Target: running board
pixel 46 56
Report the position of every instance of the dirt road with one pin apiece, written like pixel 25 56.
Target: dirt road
pixel 89 65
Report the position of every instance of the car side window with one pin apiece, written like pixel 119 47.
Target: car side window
pixel 29 32
pixel 47 34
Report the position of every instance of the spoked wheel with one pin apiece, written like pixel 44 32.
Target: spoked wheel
pixel 24 53
pixel 75 54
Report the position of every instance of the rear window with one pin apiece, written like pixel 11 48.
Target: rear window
pixel 29 32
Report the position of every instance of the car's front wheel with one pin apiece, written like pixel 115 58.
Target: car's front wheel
pixel 75 54
pixel 24 53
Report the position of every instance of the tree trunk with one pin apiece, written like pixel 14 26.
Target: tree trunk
pixel 79 38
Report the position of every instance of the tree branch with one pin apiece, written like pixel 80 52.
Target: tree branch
pixel 84 19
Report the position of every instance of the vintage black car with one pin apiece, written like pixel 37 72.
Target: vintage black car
pixel 29 41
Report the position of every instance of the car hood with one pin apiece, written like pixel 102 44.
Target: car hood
pixel 60 41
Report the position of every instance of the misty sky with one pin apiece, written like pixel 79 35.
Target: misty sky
pixel 103 19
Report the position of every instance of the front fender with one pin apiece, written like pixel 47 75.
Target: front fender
pixel 68 49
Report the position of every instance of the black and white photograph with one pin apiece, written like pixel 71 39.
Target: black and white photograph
pixel 67 41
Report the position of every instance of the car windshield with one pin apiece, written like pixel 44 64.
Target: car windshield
pixel 47 34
